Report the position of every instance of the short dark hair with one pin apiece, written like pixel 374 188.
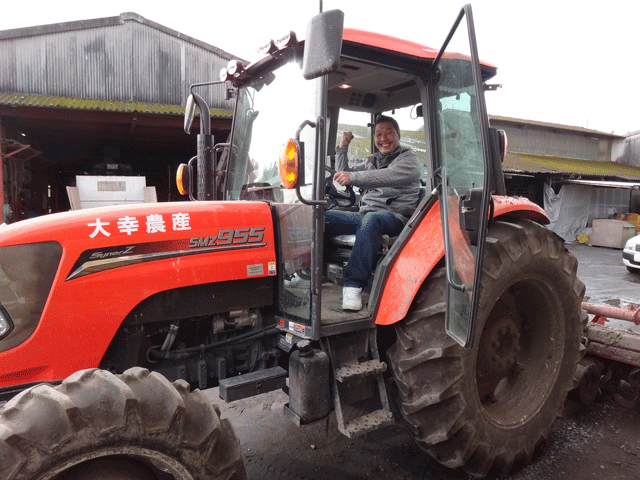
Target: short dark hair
pixel 391 120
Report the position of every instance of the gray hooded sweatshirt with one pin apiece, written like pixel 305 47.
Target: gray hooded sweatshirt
pixel 392 182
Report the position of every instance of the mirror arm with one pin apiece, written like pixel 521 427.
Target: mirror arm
pixel 205 118
pixel 190 167
pixel 301 127
pixel 322 203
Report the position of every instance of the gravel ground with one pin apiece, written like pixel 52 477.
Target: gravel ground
pixel 599 441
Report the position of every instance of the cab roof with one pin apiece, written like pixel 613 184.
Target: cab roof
pixel 405 47
pixel 386 42
pixel 376 72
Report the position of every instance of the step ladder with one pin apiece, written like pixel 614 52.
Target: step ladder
pixel 358 379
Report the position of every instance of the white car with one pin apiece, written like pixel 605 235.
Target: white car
pixel 631 254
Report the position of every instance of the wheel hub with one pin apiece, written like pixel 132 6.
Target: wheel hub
pixel 497 354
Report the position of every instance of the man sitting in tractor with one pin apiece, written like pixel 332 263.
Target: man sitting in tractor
pixel 391 178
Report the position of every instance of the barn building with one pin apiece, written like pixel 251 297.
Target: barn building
pixel 99 97
pixel 576 174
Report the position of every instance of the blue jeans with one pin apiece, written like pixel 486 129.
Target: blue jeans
pixel 368 228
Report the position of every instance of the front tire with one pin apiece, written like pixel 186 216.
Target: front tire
pixel 489 407
pixel 136 425
pixel 635 271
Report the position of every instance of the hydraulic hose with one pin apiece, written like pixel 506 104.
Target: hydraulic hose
pixel 159 354
pixel 171 337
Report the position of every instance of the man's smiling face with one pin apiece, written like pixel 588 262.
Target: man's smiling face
pixel 386 138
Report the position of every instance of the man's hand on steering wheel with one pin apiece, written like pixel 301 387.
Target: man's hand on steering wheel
pixel 342 178
pixel 336 198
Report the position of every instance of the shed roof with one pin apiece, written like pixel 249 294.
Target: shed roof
pixel 108 22
pixel 119 59
pixel 22 100
pixel 554 126
pixel 524 163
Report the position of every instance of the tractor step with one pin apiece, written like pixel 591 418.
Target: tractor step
pixel 367 423
pixel 360 370
pixel 360 396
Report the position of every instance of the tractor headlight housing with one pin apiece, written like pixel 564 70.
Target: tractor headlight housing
pixel 27 272
pixel 289 163
pixel 6 325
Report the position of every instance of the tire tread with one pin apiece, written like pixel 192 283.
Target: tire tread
pixel 429 367
pixel 48 429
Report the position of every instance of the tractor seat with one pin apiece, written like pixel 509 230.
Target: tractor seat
pixel 349 240
pixel 339 256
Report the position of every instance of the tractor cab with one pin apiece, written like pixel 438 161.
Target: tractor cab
pixel 292 107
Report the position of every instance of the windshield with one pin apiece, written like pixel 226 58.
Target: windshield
pixel 411 129
pixel 270 110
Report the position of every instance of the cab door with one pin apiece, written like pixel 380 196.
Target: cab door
pixel 460 129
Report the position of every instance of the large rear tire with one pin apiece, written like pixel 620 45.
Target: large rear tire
pixel 135 425
pixel 489 407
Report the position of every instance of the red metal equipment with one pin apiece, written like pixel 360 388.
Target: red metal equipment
pixel 601 312
pixel 610 343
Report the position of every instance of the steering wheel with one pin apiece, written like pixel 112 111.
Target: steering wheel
pixel 335 197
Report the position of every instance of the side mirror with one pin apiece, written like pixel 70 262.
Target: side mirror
pixel 194 100
pixel 499 147
pixel 189 113
pixel 323 44
pixel 504 144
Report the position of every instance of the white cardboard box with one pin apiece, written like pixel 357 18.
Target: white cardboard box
pixel 612 233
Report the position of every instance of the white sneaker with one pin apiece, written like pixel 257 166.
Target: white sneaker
pixel 351 298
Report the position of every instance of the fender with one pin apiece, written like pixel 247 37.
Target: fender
pixel 425 248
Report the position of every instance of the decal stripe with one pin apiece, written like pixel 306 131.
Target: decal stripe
pixel 101 265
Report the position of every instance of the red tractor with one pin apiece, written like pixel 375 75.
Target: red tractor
pixel 472 323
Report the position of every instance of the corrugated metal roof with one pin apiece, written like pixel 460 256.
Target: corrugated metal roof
pixel 555 126
pixel 522 163
pixel 106 22
pixel 21 100
pixel 123 59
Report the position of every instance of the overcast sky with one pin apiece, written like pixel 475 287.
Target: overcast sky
pixel 559 61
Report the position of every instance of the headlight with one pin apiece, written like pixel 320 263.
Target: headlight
pixel 6 325
pixel 234 67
